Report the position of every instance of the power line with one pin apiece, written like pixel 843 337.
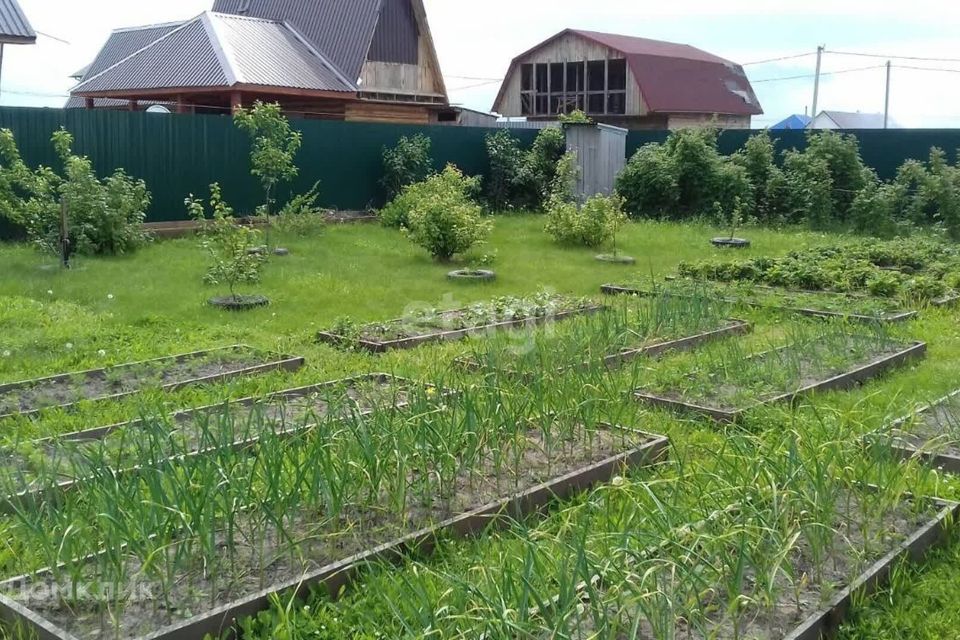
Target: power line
pixel 473 78
pixel 914 68
pixel 474 86
pixel 781 59
pixel 888 57
pixel 813 75
pixel 47 35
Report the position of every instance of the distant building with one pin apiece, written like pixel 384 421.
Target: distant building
pixel 847 120
pixel 794 122
pixel 370 60
pixel 629 82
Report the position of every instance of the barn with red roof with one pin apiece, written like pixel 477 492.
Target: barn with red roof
pixel 631 82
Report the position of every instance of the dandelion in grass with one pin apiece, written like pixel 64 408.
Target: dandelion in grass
pixel 102 353
pixel 109 296
pixel 49 292
pixel 69 346
pixel 7 353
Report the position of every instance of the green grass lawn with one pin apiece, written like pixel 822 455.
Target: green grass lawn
pixel 152 304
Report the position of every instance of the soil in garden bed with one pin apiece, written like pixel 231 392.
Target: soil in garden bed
pixel 254 568
pixel 126 378
pixel 935 431
pixel 850 552
pixel 191 431
pixel 771 375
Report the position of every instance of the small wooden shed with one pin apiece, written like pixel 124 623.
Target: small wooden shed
pixel 601 155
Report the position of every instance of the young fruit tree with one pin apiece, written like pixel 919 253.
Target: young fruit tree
pixel 231 248
pixel 274 148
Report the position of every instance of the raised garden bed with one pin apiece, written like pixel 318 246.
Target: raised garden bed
pixel 438 326
pixel 65 391
pixel 728 400
pixel 654 349
pixel 73 456
pixel 804 607
pixel 814 304
pixel 930 434
pixel 28 600
pixel 240 303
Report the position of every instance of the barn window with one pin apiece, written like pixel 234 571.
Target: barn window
pixel 617 103
pixel 526 77
pixel 595 104
pixel 527 103
pixel 556 77
pixel 542 78
pixel 596 75
pixel 617 75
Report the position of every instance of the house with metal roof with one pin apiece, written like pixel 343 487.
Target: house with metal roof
pixel 848 120
pixel 791 123
pixel 627 81
pixel 370 60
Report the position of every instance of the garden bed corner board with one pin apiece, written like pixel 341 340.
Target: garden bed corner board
pixel 948 462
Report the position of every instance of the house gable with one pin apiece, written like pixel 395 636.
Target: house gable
pixel 402 63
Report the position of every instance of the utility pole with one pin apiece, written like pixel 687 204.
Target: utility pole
pixel 886 104
pixel 816 82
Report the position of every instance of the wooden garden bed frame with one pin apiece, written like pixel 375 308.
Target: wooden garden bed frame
pixel 279 363
pixel 335 578
pixel 847 380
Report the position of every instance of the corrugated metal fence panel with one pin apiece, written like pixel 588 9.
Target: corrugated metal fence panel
pixel 182 154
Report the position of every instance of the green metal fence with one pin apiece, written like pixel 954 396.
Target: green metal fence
pixel 178 155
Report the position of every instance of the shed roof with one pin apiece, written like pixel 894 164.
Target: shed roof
pixel 673 78
pixel 221 50
pixel 14 26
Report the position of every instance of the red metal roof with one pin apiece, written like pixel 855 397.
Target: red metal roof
pixel 674 78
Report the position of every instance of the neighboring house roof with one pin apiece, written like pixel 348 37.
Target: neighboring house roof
pixel 14 26
pixel 796 121
pixel 221 50
pixel 673 78
pixel 342 30
pixel 847 120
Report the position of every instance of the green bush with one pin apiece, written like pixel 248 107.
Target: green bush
pixel 873 210
pixel 591 225
pixel 758 159
pixel 649 183
pixel 520 179
pixel 442 217
pixel 848 174
pixel 397 213
pixel 303 215
pixel 104 217
pixel 503 183
pixel 407 163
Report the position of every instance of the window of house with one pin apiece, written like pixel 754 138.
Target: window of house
pixel 527 92
pixel 598 87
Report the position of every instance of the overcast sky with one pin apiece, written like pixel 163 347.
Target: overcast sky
pixel 477 39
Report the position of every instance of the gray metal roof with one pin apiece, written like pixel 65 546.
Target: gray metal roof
pixel 847 120
pixel 185 57
pixel 341 30
pixel 221 50
pixel 125 42
pixel 14 26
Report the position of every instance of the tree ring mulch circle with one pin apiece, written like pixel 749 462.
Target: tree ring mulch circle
pixel 280 251
pixel 257 251
pixel 612 259
pixel 239 303
pixel 731 243
pixel 472 275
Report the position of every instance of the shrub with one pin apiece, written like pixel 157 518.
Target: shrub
pixel 758 159
pixel 442 218
pixel 841 154
pixel 883 285
pixel 302 215
pixel 697 163
pixel 649 184
pixel 874 208
pixel 230 246
pixel 808 193
pixel 540 165
pixel 103 217
pixel 566 175
pixel 592 225
pixel 503 184
pixel 397 213
pixel 407 163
